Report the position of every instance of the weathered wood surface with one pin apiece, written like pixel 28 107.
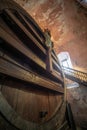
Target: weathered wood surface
pixel 7 4
pixel 24 91
pixel 29 25
pixel 49 61
pixel 15 71
pixel 29 102
pixel 7 12
pixel 23 124
pixel 20 47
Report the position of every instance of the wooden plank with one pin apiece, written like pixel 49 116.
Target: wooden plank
pixel 53 73
pixel 6 27
pixel 57 75
pixel 25 30
pixel 55 58
pixel 49 60
pixel 30 26
pixel 55 63
pixel 27 76
pixel 53 51
pixel 21 48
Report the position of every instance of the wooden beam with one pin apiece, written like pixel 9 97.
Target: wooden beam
pixel 49 60
pixel 55 58
pixel 13 70
pixel 56 64
pixel 25 30
pixel 21 47
pixel 57 75
pixel 30 26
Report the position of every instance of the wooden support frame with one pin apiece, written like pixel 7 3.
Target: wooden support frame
pixel 26 51
pixel 9 13
pixel 55 63
pixel 21 48
pixel 49 60
pixel 28 24
pixel 54 57
pixel 15 71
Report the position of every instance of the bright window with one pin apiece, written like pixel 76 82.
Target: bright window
pixel 64 59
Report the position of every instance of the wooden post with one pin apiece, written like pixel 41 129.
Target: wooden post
pixel 49 60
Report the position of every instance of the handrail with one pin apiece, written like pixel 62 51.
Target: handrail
pixel 73 69
pixel 75 75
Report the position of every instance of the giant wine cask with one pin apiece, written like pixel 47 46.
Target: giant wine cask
pixel 31 81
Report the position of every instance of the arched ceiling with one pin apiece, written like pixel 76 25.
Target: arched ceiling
pixel 67 21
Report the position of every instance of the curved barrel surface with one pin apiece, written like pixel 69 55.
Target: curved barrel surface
pixel 31 85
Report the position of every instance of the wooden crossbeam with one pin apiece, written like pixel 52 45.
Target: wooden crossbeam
pixel 20 47
pixel 49 60
pixel 56 64
pixel 30 26
pixel 25 30
pixel 55 58
pixel 17 72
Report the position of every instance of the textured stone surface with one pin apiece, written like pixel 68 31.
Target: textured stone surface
pixel 78 99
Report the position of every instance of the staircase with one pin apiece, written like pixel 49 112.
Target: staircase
pixel 75 75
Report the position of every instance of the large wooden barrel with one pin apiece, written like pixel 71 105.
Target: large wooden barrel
pixel 31 82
